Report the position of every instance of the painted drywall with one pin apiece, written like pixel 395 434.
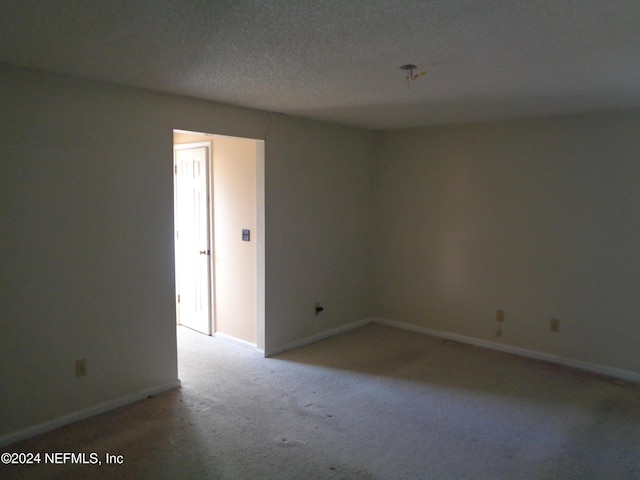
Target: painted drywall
pixel 87 237
pixel 234 207
pixel 318 212
pixel 538 218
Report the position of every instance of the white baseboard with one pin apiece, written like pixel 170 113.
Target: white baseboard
pixel 235 341
pixel 618 373
pixel 320 336
pixel 85 413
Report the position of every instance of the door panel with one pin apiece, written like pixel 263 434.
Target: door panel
pixel 192 236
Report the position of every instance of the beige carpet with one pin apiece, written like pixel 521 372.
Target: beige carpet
pixel 374 403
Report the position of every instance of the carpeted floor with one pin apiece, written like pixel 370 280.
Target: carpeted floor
pixel 373 403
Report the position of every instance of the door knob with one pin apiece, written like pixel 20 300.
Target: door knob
pixel 204 252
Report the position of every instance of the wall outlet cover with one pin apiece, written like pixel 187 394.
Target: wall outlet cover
pixel 81 367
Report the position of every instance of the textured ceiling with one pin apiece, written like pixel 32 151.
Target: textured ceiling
pixel 338 60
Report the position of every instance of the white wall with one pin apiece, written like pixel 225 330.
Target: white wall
pixel 538 217
pixel 318 212
pixel 235 209
pixel 87 237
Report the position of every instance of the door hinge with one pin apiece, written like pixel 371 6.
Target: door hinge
pixel 178 298
pixel 175 169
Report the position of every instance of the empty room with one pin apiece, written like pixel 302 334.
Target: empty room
pixel 409 245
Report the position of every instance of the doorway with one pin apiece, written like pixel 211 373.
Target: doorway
pixel 219 237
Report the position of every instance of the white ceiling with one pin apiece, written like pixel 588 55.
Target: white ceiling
pixel 338 60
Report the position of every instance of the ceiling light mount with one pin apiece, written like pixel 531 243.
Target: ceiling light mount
pixel 409 68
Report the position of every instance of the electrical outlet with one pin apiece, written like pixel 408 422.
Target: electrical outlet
pixel 554 325
pixel 81 367
pixel 499 332
pixel 500 315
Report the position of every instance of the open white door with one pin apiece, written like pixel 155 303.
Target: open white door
pixel 193 249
